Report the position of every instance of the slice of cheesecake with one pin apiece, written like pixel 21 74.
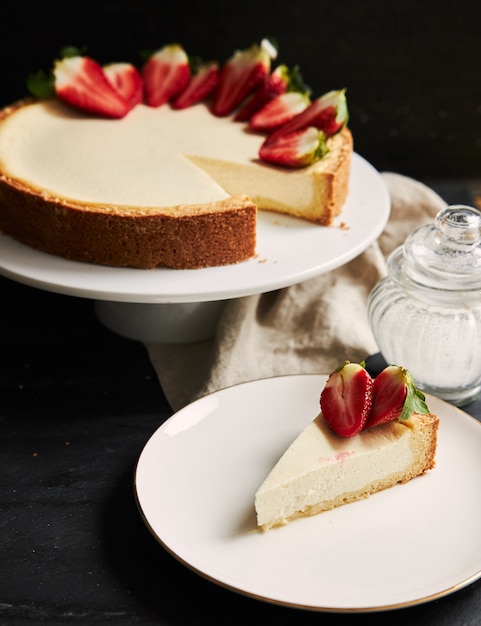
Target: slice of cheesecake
pixel 321 470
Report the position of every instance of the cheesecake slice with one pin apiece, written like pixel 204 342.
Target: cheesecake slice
pixel 159 187
pixel 321 470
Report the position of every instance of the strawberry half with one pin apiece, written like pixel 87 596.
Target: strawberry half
pixel 394 397
pixel 279 111
pixel 81 81
pixel 273 85
pixel 202 83
pixel 127 81
pixel 328 113
pixel 166 73
pixel 241 75
pixel 297 149
pixel 347 398
pixel 280 81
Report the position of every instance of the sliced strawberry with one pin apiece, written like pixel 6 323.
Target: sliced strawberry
pixel 202 83
pixel 166 73
pixel 328 113
pixel 81 81
pixel 273 85
pixel 297 149
pixel 394 397
pixel 279 111
pixel 280 81
pixel 126 79
pixel 241 75
pixel 347 398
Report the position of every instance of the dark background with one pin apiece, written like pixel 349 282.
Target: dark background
pixel 78 403
pixel 412 68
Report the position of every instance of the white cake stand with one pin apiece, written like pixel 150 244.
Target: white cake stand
pixel 176 306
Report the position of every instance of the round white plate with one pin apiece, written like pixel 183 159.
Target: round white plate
pixel 288 252
pixel 197 476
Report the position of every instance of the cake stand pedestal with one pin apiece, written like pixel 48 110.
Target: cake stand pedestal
pixel 183 322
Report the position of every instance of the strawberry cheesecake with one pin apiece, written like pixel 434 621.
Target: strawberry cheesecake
pixel 322 469
pixel 135 170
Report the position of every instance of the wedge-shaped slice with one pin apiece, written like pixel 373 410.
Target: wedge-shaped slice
pixel 320 470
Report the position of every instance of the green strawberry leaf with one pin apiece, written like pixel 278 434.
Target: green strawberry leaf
pixel 41 85
pixel 414 403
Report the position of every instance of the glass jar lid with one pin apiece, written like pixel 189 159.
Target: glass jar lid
pixel 445 255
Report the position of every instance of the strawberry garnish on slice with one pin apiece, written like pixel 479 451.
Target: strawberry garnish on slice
pixel 279 111
pixel 395 397
pixel 202 83
pixel 347 398
pixel 126 79
pixel 241 75
pixel 297 149
pixel 81 81
pixel 328 113
pixel 166 73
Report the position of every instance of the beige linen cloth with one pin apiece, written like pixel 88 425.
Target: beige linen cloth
pixel 309 328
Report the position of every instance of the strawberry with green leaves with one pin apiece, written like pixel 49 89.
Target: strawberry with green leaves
pixel 297 149
pixel 352 401
pixel 279 111
pixel 328 113
pixel 166 74
pixel 82 82
pixel 125 78
pixel 279 81
pixel 244 72
pixel 203 81
pixel 395 397
pixel 346 399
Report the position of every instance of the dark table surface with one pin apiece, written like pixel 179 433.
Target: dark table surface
pixel 77 405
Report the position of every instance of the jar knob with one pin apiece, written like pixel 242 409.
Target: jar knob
pixel 459 225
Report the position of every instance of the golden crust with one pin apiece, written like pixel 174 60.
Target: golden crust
pixel 188 238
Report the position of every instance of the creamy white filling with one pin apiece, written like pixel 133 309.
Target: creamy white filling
pixel 152 157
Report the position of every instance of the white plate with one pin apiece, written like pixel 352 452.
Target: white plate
pixel 289 251
pixel 197 476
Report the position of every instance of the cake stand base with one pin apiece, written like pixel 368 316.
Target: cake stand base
pixel 161 323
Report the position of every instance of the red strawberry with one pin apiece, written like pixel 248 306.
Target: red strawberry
pixel 81 81
pixel 279 111
pixel 394 397
pixel 241 75
pixel 281 80
pixel 346 399
pixel 201 85
pixel 297 149
pixel 166 73
pixel 126 79
pixel 328 113
pixel 272 86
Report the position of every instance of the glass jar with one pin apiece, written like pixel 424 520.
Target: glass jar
pixel 426 314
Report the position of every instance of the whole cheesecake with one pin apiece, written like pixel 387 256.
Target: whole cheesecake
pixel 159 187
pixel 320 470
